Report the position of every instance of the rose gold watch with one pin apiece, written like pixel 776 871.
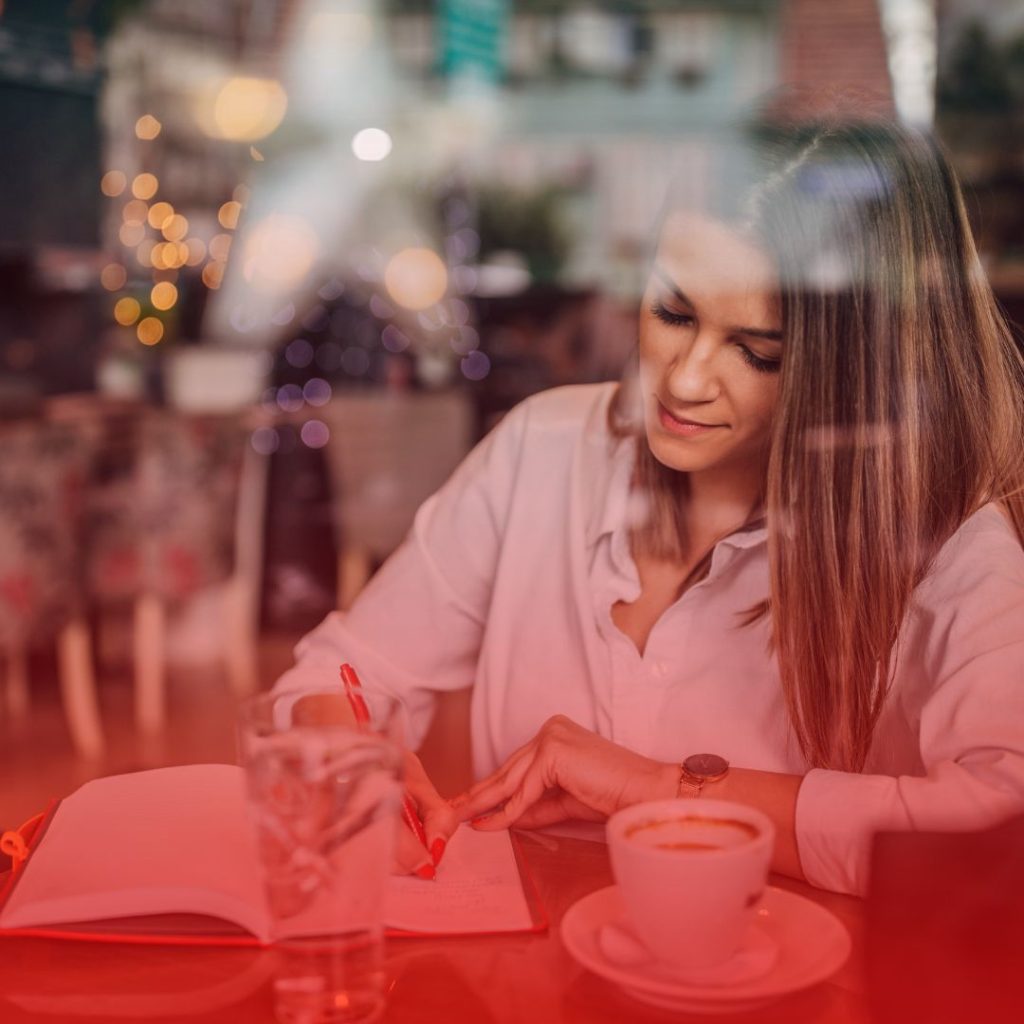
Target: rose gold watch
pixel 699 769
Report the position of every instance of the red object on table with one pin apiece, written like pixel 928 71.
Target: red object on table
pixel 352 687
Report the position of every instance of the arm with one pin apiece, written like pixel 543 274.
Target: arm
pixel 569 772
pixel 417 627
pixel 953 735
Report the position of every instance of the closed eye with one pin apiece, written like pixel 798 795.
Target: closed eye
pixel 758 363
pixel 670 317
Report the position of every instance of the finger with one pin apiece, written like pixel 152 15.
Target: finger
pixel 496 792
pixel 531 790
pixel 439 819
pixel 410 856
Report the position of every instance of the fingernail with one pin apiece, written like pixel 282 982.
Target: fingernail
pixel 479 819
pixel 426 872
pixel 437 850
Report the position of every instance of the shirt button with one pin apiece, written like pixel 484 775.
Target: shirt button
pixel 660 669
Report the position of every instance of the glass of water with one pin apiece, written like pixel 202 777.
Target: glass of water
pixel 324 794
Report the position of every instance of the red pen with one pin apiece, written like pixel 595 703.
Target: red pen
pixel 352 687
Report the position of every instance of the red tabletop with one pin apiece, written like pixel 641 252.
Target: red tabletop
pixel 528 979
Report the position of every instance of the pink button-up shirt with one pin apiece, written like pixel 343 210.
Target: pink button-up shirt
pixel 506 584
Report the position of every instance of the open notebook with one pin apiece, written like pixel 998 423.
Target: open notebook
pixel 170 855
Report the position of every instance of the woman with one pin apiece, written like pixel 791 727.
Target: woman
pixel 794 544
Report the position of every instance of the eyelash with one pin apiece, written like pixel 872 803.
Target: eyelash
pixel 755 362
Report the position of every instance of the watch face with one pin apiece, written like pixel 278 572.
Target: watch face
pixel 706 766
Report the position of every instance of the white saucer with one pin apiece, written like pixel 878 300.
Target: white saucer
pixel 812 944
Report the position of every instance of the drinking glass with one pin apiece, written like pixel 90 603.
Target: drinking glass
pixel 324 795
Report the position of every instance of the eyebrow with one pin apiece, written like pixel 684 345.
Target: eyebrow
pixel 754 332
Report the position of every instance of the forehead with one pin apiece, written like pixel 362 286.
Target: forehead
pixel 715 264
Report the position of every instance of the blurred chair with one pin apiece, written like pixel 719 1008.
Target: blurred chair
pixel 387 452
pixel 161 527
pixel 42 480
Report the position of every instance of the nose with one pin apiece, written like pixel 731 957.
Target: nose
pixel 692 376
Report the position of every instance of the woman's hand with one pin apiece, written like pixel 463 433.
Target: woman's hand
pixel 439 822
pixel 566 771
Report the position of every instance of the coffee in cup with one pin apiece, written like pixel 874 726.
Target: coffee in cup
pixel 690 873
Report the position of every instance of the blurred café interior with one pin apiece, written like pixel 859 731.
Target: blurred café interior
pixel 269 268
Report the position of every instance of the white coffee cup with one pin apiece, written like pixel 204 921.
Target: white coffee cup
pixel 690 873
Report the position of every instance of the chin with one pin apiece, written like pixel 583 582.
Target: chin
pixel 674 456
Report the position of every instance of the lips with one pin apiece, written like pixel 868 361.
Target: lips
pixel 683 427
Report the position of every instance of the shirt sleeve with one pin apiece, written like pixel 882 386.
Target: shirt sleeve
pixel 964 690
pixel 417 627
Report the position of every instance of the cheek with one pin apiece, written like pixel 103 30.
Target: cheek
pixel 654 354
pixel 759 401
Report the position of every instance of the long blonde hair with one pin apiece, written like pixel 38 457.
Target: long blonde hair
pixel 900 410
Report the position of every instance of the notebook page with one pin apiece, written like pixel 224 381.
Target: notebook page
pixel 174 839
pixel 477 889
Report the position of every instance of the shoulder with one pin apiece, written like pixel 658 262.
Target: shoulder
pixel 973 598
pixel 984 554
pixel 570 410
pixel 539 438
pixel 550 426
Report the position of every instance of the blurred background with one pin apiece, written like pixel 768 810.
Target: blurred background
pixel 269 268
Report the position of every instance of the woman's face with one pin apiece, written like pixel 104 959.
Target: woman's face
pixel 710 350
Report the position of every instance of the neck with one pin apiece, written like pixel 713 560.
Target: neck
pixel 719 502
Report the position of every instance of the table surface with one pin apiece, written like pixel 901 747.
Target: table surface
pixel 484 980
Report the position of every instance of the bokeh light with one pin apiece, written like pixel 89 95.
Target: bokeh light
pixel 289 398
pixel 164 295
pixel 135 212
pixel 299 353
pixel 279 252
pixel 314 434
pixel 113 183
pixel 150 330
pixel 316 391
pixel 113 277
pixel 213 274
pixel 175 228
pixel 475 366
pixel 285 315
pixel 131 234
pixel 227 215
pixel 147 127
pixel 159 213
pixel 371 144
pixel 144 185
pixel 220 246
pixel 416 278
pixel 144 252
pixel 196 251
pixel 393 339
pixel 244 109
pixel 126 311
pixel 265 440
pixel 169 255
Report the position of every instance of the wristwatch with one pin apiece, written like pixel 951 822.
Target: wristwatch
pixel 699 769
